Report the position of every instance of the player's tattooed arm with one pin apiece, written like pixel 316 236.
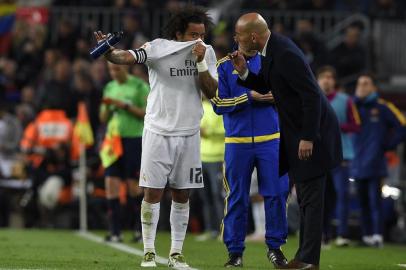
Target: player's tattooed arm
pixel 120 57
pixel 208 84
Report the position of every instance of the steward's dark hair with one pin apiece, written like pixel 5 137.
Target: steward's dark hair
pixel 180 20
pixel 369 75
pixel 325 69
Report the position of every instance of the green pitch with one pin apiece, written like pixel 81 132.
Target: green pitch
pixel 48 249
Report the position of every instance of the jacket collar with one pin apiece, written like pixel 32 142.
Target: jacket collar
pixel 371 98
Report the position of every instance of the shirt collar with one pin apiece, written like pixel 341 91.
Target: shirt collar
pixel 331 96
pixel 263 53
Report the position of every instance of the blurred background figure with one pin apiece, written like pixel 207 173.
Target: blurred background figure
pixel 46 145
pixel 382 129
pixel 350 56
pixel 123 110
pixel 44 58
pixel 212 153
pixel 337 185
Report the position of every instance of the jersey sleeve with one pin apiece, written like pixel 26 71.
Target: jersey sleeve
pixel 224 101
pixel 211 62
pixel 396 121
pixel 147 53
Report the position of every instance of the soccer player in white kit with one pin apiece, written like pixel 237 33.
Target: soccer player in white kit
pixel 179 67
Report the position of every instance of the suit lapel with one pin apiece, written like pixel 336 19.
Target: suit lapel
pixel 267 61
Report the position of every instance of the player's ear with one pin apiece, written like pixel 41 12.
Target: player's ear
pixel 179 36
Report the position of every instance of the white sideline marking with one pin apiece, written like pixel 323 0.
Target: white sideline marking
pixel 123 247
pixel 402 265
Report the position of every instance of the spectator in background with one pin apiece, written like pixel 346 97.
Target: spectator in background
pixel 84 90
pixel 387 9
pixel 26 109
pixel 349 121
pixel 45 143
pixel 10 135
pixel 66 41
pixel 8 74
pixel 312 47
pixel 123 109
pixel 383 128
pixel 51 57
pixel 58 89
pixel 212 153
pixel 133 36
pixel 141 72
pixel 350 57
pixel 99 74
pixel 316 5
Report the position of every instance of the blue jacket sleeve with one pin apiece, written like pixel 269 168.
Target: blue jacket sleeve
pixel 254 81
pixel 396 122
pixel 225 101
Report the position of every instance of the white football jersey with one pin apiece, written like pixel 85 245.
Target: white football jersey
pixel 174 106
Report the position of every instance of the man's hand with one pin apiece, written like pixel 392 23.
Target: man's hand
pixel 199 50
pixel 305 150
pixel 268 97
pixel 117 103
pixel 99 36
pixel 238 61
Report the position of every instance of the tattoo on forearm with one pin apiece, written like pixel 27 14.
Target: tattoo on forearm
pixel 120 57
pixel 208 84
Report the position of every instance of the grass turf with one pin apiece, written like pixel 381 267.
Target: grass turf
pixel 54 249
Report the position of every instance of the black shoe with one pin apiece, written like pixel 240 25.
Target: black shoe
pixel 276 257
pixel 234 260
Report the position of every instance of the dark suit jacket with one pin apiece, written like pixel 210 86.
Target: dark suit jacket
pixel 304 111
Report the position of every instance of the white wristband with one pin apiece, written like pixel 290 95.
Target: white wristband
pixel 202 66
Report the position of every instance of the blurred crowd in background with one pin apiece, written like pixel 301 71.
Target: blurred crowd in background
pixel 38 72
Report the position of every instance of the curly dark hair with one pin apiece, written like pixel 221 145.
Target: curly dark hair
pixel 180 20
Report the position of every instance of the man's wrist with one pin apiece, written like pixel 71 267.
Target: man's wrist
pixel 202 66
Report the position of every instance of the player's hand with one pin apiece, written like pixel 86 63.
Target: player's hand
pixel 199 50
pixel 238 61
pixel 268 97
pixel 305 150
pixel 99 36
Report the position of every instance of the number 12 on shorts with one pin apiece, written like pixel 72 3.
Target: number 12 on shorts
pixel 196 175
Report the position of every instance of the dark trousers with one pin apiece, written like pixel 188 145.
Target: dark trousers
pixel 310 195
pixel 369 192
pixel 342 188
pixel 211 196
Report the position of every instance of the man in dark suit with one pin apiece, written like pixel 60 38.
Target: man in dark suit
pixel 310 138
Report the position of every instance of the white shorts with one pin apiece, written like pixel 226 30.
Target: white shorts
pixel 171 159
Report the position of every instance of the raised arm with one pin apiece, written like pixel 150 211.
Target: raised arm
pixel 122 57
pixel 246 78
pixel 208 84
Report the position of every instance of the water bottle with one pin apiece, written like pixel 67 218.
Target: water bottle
pixel 104 45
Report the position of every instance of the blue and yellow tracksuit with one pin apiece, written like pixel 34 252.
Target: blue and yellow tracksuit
pixel 252 139
pixel 382 129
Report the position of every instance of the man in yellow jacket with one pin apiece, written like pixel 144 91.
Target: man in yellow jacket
pixel 212 154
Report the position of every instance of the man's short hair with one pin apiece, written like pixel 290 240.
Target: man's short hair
pixel 325 69
pixel 180 20
pixel 369 75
